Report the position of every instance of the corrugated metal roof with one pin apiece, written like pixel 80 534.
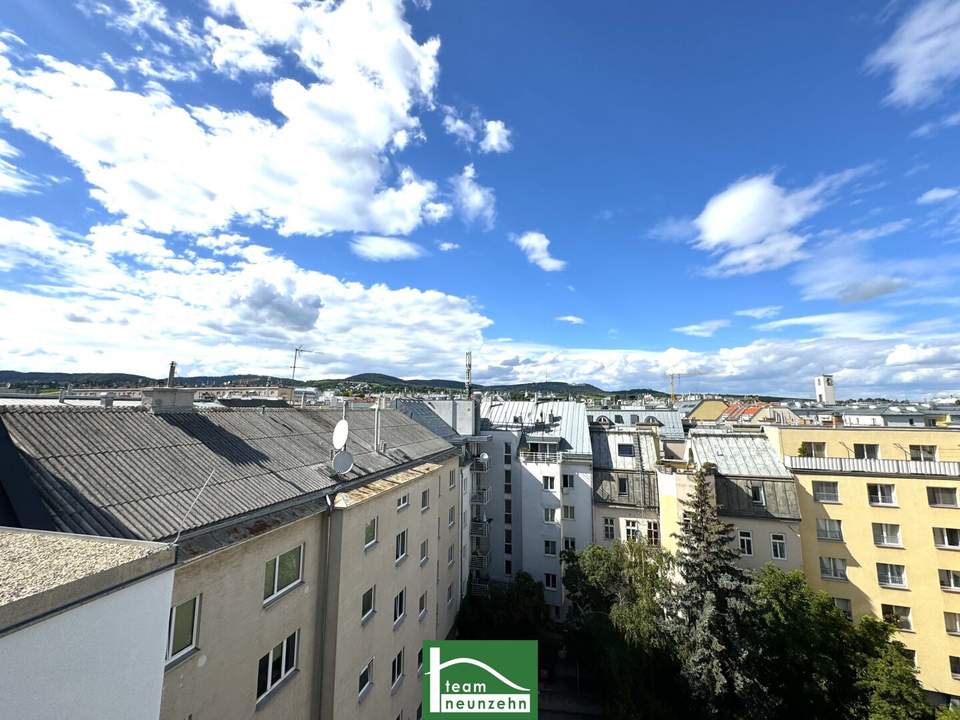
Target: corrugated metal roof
pixel 132 473
pixel 780 498
pixel 543 417
pixel 607 457
pixel 737 454
pixel 424 414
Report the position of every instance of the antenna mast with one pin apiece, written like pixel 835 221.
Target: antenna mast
pixel 468 384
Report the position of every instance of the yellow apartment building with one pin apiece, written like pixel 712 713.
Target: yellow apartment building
pixel 881 531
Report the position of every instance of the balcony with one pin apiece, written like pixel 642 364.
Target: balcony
pixel 539 457
pixel 479 562
pixel 480 497
pixel 479 528
pixel 480 586
pixel 479 466
pixel 872 467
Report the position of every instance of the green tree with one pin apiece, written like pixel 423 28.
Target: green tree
pixel 888 678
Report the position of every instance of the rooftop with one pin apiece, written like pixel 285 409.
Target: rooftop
pixel 563 418
pixel 737 454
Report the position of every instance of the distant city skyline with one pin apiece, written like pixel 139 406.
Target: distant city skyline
pixel 746 198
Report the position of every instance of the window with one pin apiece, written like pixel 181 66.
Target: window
pixel 365 679
pixel 942 497
pixel 453 480
pixel 399 606
pixel 833 568
pixel 946 538
pixel 507 482
pixel 952 622
pixel 864 451
pixel 746 542
pixel 282 571
pixel 955 667
pixel 508 541
pixel 182 628
pixel 623 489
pixel 420 708
pixel 425 500
pixel 550 581
pixel 547 482
pixel 632 529
pixel 450 556
pixel 653 532
pixel 886 534
pixel 400 551
pixel 550 547
pixel 508 567
pixel 570 543
pixel 826 491
pixel 507 453
pixel 419 661
pixel 449 593
pixel 923 453
pixel 618 419
pixel 549 515
pixel 567 481
pixel 508 511
pixel 451 516
pixel 609 529
pixel 368 604
pixel 403 501
pixel 949 579
pixel 422 605
pixel 881 494
pixel 898 615
pixel 845 606
pixel 778 546
pixel 829 529
pixel 891 575
pixel 756 495
pixel 396 669
pixel 569 512
pixel 370 532
pixel 277 664
pixel 424 551
pixel 813 449
pixel 625 450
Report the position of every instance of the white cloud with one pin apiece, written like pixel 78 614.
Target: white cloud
pixel 496 137
pixel 447 246
pixel 704 329
pixel 863 325
pixel 13 180
pixel 156 69
pixel 760 313
pixel 536 246
pixel 323 167
pixel 937 194
pixel 454 125
pixel 923 54
pixel 930 129
pixel 922 354
pixel 475 202
pixel 571 319
pixel 237 50
pixel 382 249
pixel 672 229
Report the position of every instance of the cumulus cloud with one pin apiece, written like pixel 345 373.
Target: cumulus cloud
pixel 490 136
pixel 704 329
pixel 383 249
pixel 937 194
pixel 760 313
pixel 475 202
pixel 496 137
pixel 447 246
pixel 923 54
pixel 237 50
pixel 571 319
pixel 462 130
pixel 13 180
pixel 536 246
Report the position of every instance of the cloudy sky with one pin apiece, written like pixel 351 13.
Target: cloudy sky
pixel 746 195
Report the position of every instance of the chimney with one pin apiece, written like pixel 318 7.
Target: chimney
pixel 63 395
pixel 173 371
pixel 167 399
pixel 106 401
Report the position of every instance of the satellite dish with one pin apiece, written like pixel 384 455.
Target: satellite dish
pixel 342 463
pixel 340 433
pixel 484 456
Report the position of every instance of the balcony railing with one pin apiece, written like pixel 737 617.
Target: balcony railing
pixel 873 467
pixel 480 497
pixel 479 562
pixel 480 587
pixel 479 528
pixel 539 457
pixel 479 466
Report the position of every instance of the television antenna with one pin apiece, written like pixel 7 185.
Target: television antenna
pixel 297 352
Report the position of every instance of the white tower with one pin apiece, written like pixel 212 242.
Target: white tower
pixel 825 389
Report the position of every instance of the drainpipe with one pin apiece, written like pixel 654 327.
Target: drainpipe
pixel 323 596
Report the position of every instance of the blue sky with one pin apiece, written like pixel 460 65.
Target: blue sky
pixel 745 195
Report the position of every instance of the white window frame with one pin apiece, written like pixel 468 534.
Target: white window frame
pixel 367 544
pixel 399 607
pixel 833 564
pixel 609 528
pixel 846 610
pixel 422 605
pixel 547 544
pixel 400 539
pixel 778 540
pixel 763 498
pixel 424 551
pixel 396 669
pixel 569 512
pixel 450 556
pixel 880 503
pixel 748 536
pixel 368 669
pixel 882 540
pixel 549 515
pixel 954 575
pixel 403 502
pixel 888 582
pixel 452 516
pixel 547 581
pixel 631 529
pixel 955 673
pixel 284 673
pixel 819 496
pixel 564 481
pixel 453 480
pixel 893 608
pixel 947 616
pixel 365 616
pixel 944 531
pixel 921 451
pixel 865 453
pixel 570 543
pixel 937 488
pixel 653 532
pixel 425 500
pixel 824 531
pixel 450 594
pixel 171 623
pixel 278 591
pixel 549 482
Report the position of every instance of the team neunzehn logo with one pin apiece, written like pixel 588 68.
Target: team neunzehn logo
pixel 469 679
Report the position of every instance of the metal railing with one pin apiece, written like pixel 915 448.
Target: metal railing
pixel 479 528
pixel 479 562
pixel 539 457
pixel 479 466
pixel 873 467
pixel 480 587
pixel 480 497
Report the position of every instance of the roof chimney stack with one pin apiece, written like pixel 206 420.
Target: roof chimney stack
pixel 173 371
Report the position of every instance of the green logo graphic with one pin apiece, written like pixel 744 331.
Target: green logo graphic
pixel 473 679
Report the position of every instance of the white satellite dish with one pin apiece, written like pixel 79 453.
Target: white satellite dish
pixel 340 433
pixel 342 463
pixel 484 456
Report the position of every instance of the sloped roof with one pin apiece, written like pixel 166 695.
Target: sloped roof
pixel 569 420
pixel 671 421
pixel 131 473
pixel 606 457
pixel 421 412
pixel 737 454
pixel 780 498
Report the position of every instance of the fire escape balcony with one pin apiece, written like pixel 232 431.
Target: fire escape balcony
pixel 479 528
pixel 479 561
pixel 479 466
pixel 480 497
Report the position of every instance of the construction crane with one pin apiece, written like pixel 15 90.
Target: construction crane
pixel 673 388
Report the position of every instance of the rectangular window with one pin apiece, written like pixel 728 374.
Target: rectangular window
pixel 569 512
pixel 833 568
pixel 368 603
pixel 845 606
pixel 396 669
pixel 778 546
pixel 182 628
pixel 829 529
pixel 453 480
pixel 632 529
pixel 881 494
pixel 923 453
pixel 508 541
pixel 424 551
pixel 508 511
pixel 625 450
pixel 399 606
pixel 942 496
pixel 568 482
pixel 550 581
pixel 282 571
pixel 886 534
pixel 365 678
pixel 508 567
pixel 952 622
pixel 370 532
pixel 277 664
pixel 864 451
pixel 419 665
pixel 653 532
pixel 756 495
pixel 400 546
pixel 826 491
pixel 449 593
pixel 450 556
pixel 451 516
pixel 547 482
pixel 507 453
pixel 623 488
pixel 549 515
pixel 813 449
pixel 890 575
pixel 898 615
pixel 403 501
pixel 550 547
pixel 507 482
pixel 955 667
pixel 609 529
pixel 949 579
pixel 746 542
pixel 946 538
pixel 425 500
pixel 422 605
pixel 570 543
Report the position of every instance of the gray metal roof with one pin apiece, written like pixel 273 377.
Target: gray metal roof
pixel 541 417
pixel 606 457
pixel 421 412
pixel 641 489
pixel 780 498
pixel 737 454
pixel 670 421
pixel 131 473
